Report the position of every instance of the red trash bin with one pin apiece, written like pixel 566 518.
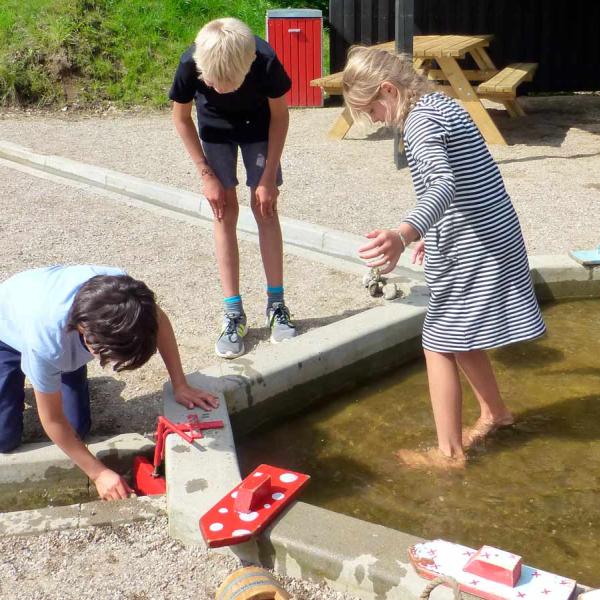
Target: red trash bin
pixel 296 35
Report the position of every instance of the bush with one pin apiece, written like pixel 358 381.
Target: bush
pixel 93 51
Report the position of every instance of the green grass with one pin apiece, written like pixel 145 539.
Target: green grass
pixel 95 51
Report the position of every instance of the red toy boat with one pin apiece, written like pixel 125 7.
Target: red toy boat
pixel 488 572
pixel 250 505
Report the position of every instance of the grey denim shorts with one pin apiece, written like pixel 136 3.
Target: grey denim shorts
pixel 222 159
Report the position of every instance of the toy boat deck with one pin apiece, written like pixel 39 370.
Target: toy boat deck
pixel 251 505
pixel 488 573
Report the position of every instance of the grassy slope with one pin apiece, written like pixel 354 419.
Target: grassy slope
pixel 124 51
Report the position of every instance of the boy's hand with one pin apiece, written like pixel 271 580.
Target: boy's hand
pixel 189 397
pixel 266 196
pixel 386 247
pixel 214 192
pixel 418 253
pixel 111 486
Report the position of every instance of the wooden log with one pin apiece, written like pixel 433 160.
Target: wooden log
pixel 251 583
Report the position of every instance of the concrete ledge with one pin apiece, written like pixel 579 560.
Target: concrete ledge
pixel 198 475
pixel 282 370
pixel 351 555
pixel 78 516
pixel 558 277
pixel 45 461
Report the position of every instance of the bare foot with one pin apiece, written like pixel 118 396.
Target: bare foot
pixel 433 458
pixel 484 428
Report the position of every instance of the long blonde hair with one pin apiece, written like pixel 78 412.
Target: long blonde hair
pixel 367 68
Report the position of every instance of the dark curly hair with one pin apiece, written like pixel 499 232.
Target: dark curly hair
pixel 117 316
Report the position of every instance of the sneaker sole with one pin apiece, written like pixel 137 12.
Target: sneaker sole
pixel 271 338
pixel 230 355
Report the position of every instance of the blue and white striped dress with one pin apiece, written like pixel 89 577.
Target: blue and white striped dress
pixel 481 293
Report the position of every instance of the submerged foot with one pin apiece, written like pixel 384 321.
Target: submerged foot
pixel 433 458
pixel 483 428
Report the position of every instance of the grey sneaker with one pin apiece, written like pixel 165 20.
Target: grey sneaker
pixel 279 321
pixel 231 341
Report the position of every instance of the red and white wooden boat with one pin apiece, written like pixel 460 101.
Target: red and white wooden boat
pixel 250 505
pixel 488 573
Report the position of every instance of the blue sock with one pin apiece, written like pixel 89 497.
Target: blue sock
pixel 274 294
pixel 233 304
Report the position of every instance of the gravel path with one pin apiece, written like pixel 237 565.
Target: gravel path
pixel 131 562
pixel 176 260
pixel 551 169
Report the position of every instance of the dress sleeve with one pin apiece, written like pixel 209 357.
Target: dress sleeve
pixel 426 141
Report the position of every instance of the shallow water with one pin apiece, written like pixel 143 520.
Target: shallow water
pixel 533 490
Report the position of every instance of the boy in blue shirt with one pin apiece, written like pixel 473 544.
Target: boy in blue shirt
pixel 55 320
pixel 239 87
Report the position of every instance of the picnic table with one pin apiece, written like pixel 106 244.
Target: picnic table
pixel 438 57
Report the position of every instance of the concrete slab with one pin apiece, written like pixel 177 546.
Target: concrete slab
pixel 44 461
pixel 342 352
pixel 29 522
pixel 98 513
pixel 76 169
pixel 198 475
pixel 559 277
pixel 41 461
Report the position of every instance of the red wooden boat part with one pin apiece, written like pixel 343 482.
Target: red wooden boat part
pixel 246 509
pixel 147 480
pixel 488 573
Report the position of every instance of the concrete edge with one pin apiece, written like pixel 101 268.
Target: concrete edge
pixel 44 461
pixel 78 516
pixel 321 239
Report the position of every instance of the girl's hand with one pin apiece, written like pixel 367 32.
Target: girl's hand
pixel 111 486
pixel 189 397
pixel 418 253
pixel 386 247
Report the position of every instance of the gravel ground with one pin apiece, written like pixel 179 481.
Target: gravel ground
pixel 176 260
pixel 551 169
pixel 131 562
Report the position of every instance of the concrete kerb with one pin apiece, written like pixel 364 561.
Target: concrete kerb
pixel 33 465
pixel 298 233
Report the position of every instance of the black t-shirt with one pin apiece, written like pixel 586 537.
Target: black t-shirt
pixel 241 116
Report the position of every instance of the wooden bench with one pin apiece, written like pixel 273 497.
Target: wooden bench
pixel 504 84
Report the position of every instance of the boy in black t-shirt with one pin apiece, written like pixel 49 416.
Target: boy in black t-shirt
pixel 239 87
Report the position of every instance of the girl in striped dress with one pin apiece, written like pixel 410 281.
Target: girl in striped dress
pixel 465 228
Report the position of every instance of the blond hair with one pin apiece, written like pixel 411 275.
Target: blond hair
pixel 225 50
pixel 365 71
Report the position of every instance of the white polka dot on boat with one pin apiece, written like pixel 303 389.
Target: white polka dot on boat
pixel 277 496
pixel 288 477
pixel 257 474
pixel 248 516
pixel 234 495
pixel 267 506
pixel 240 532
pixel 216 527
pixel 223 511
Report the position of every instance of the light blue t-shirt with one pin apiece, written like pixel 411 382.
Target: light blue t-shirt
pixel 34 307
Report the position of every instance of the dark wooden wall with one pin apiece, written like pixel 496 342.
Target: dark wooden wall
pixel 563 37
